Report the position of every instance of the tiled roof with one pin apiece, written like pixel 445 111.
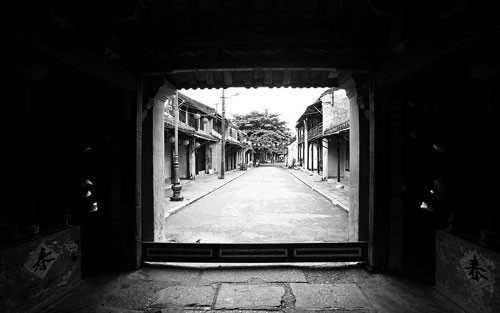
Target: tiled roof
pixel 313 109
pixel 196 104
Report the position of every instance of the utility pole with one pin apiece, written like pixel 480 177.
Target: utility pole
pixel 223 146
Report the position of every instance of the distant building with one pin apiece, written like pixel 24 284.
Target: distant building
pixel 291 152
pixel 200 145
pixel 323 136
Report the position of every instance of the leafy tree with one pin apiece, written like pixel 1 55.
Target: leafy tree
pixel 267 132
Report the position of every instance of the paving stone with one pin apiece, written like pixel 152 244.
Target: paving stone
pixel 229 311
pixel 114 310
pixel 196 296
pixel 253 297
pixel 132 294
pixel 167 274
pixel 340 275
pixel 246 275
pixel 328 296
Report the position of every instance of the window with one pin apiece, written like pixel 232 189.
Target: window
pixel 192 121
pixel 347 155
pixel 217 126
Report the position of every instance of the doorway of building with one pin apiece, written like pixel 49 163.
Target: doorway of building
pixel 200 161
pixel 320 157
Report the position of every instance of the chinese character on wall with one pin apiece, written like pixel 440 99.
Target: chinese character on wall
pixel 41 260
pixel 475 271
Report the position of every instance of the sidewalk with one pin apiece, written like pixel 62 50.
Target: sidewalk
pixel 193 190
pixel 336 193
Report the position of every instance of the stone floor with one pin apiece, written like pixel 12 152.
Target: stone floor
pixel 325 288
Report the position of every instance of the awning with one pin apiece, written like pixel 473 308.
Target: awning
pixel 205 136
pixel 232 142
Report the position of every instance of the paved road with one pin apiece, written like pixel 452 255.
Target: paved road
pixel 267 204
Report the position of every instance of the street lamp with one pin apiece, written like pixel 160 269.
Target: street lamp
pixel 223 126
pixel 176 182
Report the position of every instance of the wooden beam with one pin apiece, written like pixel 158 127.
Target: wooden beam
pixel 268 77
pixel 74 54
pixel 435 47
pixel 305 75
pixel 285 60
pixel 257 77
pixel 138 170
pixel 228 78
pixel 287 77
pixel 209 76
pixel 248 76
pixel 250 69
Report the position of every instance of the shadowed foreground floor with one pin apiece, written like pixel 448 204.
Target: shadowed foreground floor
pixel 254 289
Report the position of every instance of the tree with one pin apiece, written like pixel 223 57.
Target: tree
pixel 267 132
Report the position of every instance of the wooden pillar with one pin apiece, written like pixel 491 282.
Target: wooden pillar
pixel 192 158
pixel 126 169
pixel 318 148
pixel 325 147
pixel 306 146
pixel 310 158
pixel 297 140
pixel 395 182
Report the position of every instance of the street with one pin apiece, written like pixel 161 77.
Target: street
pixel 267 204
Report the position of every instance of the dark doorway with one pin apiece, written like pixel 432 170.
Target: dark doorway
pixel 200 160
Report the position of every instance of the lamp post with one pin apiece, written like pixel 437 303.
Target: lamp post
pixel 176 182
pixel 223 139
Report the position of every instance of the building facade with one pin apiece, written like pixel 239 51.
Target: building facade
pixel 200 141
pixel 323 136
pixel 291 153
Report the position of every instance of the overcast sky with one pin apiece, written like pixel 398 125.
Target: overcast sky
pixel 289 102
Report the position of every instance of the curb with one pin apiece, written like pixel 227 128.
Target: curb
pixel 327 197
pixel 188 202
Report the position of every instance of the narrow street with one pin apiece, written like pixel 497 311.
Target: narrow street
pixel 267 204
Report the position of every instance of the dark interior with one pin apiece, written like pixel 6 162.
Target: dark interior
pixel 428 71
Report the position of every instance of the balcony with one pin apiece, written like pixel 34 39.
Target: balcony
pixel 315 132
pixel 300 139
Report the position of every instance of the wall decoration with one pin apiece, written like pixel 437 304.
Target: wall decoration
pixel 478 270
pixel 41 260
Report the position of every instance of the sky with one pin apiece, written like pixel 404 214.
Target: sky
pixel 289 102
